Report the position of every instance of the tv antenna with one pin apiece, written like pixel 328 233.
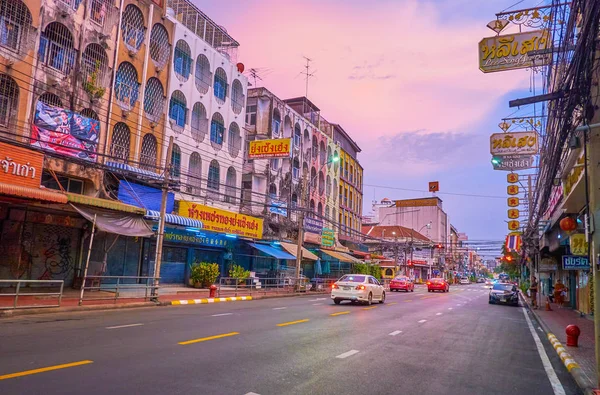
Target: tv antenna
pixel 308 73
pixel 257 73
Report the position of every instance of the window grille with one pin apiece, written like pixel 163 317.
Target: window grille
pixel 297 136
pixel 203 75
pixel 230 189
pixel 127 86
pixel 89 113
pixel 195 174
pixel 176 161
pixel 15 25
pixel 214 178
pixel 148 153
pixel 154 99
pixel 287 127
pixel 274 164
pixel 335 188
pixel 313 178
pixel 182 60
pixel 50 99
pixel 199 123
pixel 276 126
pixel 159 46
pixel 296 169
pixel 101 10
pixel 94 68
pixel 327 212
pixel 321 183
pixel 294 200
pixel 320 209
pixel 315 147
pixel 329 157
pixel 72 4
pixel 328 186
pixel 178 109
pixel 273 191
pixel 322 153
pixel 237 97
pixel 251 114
pixel 56 48
pixel 234 140
pixel 132 28
pixel 119 146
pixel 9 100
pixel 217 129
pixel 220 85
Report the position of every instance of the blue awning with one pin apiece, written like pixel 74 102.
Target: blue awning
pixel 272 251
pixel 175 219
pixel 135 170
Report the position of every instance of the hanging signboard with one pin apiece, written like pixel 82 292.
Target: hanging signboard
pixel 517 143
pixel 278 207
pixel 555 198
pixel 512 178
pixel 513 202
pixel 512 163
pixel 513 213
pixel 313 225
pixel 327 237
pixel 547 265
pixel 266 149
pixel 512 189
pixel 513 225
pixel 222 221
pixel 511 51
pixel 571 262
pixel 20 166
pixel 578 244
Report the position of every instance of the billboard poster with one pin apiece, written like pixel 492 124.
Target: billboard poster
pixel 65 132
pixel 265 149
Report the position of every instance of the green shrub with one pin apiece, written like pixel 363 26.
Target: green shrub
pixel 204 274
pixel 239 273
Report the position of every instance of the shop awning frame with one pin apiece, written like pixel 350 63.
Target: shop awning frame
pixel 341 256
pixel 32 193
pixel 293 249
pixel 134 170
pixel 175 219
pixel 104 203
pixel 272 251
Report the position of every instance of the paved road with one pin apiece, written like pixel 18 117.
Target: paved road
pixel 416 343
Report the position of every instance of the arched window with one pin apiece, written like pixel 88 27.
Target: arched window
pixel 312 205
pixel 119 145
pixel 294 200
pixel 56 48
pixel 305 168
pixel 322 153
pixel 159 46
pixel 306 138
pixel 94 62
pixel 50 99
pixel 327 212
pixel 127 86
pixel 297 136
pixel 214 176
pixel 315 147
pixel 182 60
pixel 176 161
pixel 287 127
pixel 272 191
pixel 15 25
pixel 234 140
pixel 336 164
pixel 237 97
pixel 335 189
pixel 320 209
pixel 199 124
pixel 389 272
pixel 321 183
pixel 313 179
pixel 89 113
pixel 9 100
pixel 328 186
pixel 148 153
pixel 178 110
pixel 132 28
pixel 202 75
pixel 230 182
pixel 329 157
pixel 295 169
pixel 220 85
pixel 217 129
pixel 195 174
pixel 154 99
pixel 276 126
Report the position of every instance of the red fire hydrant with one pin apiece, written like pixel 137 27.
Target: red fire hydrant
pixel 573 333
pixel 213 291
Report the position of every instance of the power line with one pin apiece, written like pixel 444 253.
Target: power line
pixel 444 193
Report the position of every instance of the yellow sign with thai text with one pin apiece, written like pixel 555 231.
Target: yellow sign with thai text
pixel 266 149
pixel 514 51
pixel 222 221
pixel 578 244
pixel 513 225
pixel 518 143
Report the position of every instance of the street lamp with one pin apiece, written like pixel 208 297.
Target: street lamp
pixel 306 199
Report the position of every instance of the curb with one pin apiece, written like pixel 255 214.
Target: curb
pixel 208 300
pixel 567 359
pixel 71 309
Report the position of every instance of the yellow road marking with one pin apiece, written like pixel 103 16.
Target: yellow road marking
pixel 369 308
pixel 409 300
pixel 339 313
pixel 389 304
pixel 203 339
pixel 46 369
pixel 427 297
pixel 293 322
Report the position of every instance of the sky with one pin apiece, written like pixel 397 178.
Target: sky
pixel 402 78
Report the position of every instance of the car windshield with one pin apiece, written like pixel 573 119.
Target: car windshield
pixel 353 279
pixel 503 287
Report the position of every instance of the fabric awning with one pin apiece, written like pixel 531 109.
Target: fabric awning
pixel 360 254
pixel 135 170
pixel 175 219
pixel 104 203
pixel 340 256
pixel 293 249
pixel 272 251
pixel 32 193
pixel 126 224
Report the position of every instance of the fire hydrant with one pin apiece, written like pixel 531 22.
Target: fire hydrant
pixel 573 333
pixel 213 291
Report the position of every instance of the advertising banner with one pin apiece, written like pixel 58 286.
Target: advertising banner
pixel 278 207
pixel 518 143
pixel 266 149
pixel 222 221
pixel 65 132
pixel 512 51
pixel 313 225
pixel 328 237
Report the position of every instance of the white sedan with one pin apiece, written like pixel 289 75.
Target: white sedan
pixel 357 288
pixel 465 281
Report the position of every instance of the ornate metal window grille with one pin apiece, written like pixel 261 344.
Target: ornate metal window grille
pixel 237 97
pixel 199 123
pixel 230 189
pixel 220 85
pixel 50 99
pixel 132 27
pixel 127 87
pixel 178 110
pixel 56 48
pixel 234 140
pixel 15 25
pixel 214 176
pixel 119 145
pixel 148 153
pixel 159 46
pixel 217 130
pixel 202 75
pixel 176 161
pixel 94 67
pixel 195 174
pixel 182 60
pixel 9 100
pixel 154 99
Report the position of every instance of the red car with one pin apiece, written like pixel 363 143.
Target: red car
pixel 402 283
pixel 438 284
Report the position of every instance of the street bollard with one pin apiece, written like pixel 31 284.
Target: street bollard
pixel 573 333
pixel 213 291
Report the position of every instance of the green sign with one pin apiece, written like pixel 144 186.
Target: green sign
pixel 327 237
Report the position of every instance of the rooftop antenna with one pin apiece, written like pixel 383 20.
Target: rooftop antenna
pixel 308 74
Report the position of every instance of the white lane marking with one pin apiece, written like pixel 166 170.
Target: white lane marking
pixel 449 308
pixel 422 321
pixel 317 304
pixel 252 393
pixel 279 308
pixel 221 315
pixel 554 381
pixel 347 354
pixel 394 333
pixel 123 326
pixel 439 314
pixel 317 299
pixel 459 304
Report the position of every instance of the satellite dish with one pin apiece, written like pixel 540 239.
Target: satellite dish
pixel 240 67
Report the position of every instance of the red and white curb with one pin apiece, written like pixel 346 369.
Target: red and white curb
pixel 209 300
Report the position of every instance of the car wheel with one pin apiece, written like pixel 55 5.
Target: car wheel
pixel 412 290
pixel 370 299
pixel 337 301
pixel 382 298
pixel 490 301
pixel 353 302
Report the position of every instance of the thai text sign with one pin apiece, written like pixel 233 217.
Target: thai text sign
pixel 173 235
pixel 519 143
pixel 574 176
pixel 278 207
pixel 512 163
pixel 555 198
pixel 313 225
pixel 261 149
pixel 222 221
pixel 327 237
pixel 571 262
pixel 578 244
pixel 20 166
pixel 513 202
pixel 511 51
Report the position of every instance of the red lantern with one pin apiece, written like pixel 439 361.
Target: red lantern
pixel 568 224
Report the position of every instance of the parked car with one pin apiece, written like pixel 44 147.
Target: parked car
pixel 361 288
pixel 504 293
pixel 489 282
pixel 402 283
pixel 465 281
pixel 480 280
pixel 438 284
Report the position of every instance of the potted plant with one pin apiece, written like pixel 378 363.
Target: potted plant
pixel 203 274
pixel 239 273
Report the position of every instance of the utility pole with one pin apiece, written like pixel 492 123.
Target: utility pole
pixel 305 199
pixel 161 224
